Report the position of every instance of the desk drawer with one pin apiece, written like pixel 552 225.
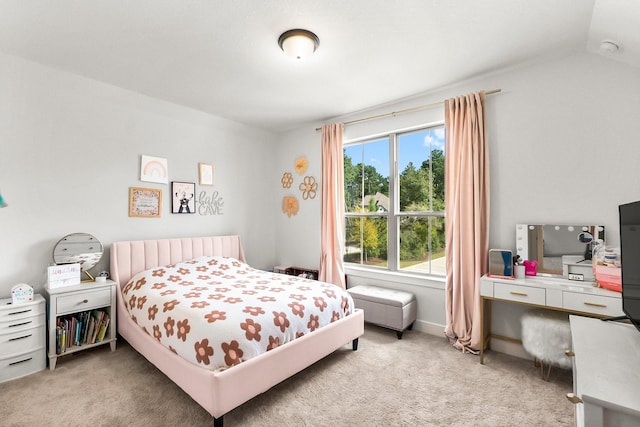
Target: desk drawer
pixel 523 294
pixel 83 301
pixel 592 304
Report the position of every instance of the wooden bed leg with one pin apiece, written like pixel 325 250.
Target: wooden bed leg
pixel 355 344
pixel 217 422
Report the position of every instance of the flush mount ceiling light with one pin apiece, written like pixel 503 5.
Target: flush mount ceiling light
pixel 298 43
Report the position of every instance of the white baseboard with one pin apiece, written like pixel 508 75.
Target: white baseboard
pixel 497 345
pixel 510 348
pixel 429 328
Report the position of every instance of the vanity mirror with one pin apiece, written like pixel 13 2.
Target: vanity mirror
pixel 549 244
pixel 82 248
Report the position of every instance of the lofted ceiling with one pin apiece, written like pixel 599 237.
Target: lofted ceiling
pixel 222 56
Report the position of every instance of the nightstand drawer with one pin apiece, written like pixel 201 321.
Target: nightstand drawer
pixel 593 304
pixel 83 301
pixel 24 364
pixel 524 294
pixel 22 342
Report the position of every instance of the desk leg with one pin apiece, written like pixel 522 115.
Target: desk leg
pixel 485 324
pixel 482 330
pixel 489 306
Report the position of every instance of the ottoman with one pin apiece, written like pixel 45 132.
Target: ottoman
pixel 546 335
pixel 384 307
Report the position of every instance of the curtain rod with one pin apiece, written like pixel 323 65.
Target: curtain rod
pixel 408 110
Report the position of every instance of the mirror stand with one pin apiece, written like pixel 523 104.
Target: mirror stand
pixel 81 248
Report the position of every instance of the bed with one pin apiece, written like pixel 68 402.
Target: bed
pixel 218 390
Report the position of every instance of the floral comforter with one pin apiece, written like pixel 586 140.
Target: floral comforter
pixel 216 312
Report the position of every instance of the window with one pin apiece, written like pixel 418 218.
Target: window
pixel 394 201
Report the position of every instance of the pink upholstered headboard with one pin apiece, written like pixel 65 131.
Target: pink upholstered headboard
pixel 131 257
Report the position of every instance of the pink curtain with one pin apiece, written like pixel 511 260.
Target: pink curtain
pixel 466 217
pixel 332 228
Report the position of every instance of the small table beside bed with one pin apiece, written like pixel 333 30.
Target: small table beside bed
pixel 179 302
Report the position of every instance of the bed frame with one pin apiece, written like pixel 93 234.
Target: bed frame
pixel 218 392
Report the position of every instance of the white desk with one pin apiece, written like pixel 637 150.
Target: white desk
pixel 606 372
pixel 544 292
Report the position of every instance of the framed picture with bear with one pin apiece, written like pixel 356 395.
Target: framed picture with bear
pixel 183 197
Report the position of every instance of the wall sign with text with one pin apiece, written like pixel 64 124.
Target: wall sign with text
pixel 210 204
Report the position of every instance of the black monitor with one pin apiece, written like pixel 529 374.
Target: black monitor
pixel 630 260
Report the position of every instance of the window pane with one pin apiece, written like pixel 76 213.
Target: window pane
pixel 366 176
pixel 421 169
pixel 410 213
pixel 366 241
pixel 422 242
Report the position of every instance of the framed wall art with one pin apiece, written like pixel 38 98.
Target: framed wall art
pixel 206 173
pixel 145 202
pixel 153 169
pixel 183 195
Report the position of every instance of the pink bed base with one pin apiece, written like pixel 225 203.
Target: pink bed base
pixel 218 392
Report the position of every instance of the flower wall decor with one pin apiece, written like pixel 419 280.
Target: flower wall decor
pixel 308 187
pixel 301 165
pixel 290 205
pixel 287 180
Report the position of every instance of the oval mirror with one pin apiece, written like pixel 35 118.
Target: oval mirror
pixel 82 248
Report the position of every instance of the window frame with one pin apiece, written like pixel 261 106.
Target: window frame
pixel 394 215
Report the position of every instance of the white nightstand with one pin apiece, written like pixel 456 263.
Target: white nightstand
pixel 69 303
pixel 22 338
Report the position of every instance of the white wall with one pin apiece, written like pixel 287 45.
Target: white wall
pixel 564 148
pixel 70 149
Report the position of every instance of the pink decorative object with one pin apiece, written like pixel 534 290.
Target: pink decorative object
pixel 530 268
pixel 608 277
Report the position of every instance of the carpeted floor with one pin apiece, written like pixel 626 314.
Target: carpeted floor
pixel 417 381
